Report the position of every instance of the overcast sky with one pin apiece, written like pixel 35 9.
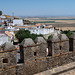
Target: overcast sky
pixel 38 7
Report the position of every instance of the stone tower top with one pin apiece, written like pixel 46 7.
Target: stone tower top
pixel 54 38
pixel 72 36
pixel 27 42
pixel 63 37
pixel 8 46
pixel 40 40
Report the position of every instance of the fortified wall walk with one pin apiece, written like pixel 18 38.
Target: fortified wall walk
pixel 33 55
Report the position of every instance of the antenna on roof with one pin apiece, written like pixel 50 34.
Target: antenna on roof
pixel 13 14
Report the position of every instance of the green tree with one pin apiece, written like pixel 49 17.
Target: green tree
pixel 0 12
pixel 68 33
pixel 22 34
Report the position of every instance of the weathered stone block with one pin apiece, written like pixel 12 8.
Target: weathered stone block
pixel 53 45
pixel 72 42
pixel 41 64
pixel 27 52
pixel 30 68
pixel 64 43
pixel 41 48
pixel 11 71
pixel 20 69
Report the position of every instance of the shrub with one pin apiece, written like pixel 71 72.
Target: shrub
pixel 21 34
pixel 68 33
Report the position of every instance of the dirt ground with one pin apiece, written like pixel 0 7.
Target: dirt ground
pixel 66 21
pixel 66 28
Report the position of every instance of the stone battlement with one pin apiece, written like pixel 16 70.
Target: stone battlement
pixel 33 55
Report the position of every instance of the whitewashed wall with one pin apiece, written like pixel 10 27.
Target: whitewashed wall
pixel 3 39
pixel 18 22
pixel 41 31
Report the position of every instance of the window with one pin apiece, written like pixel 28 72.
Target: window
pixel 35 54
pixel 5 60
pixel 37 26
pixel 60 47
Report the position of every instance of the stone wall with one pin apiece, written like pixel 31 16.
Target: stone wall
pixel 60 60
pixel 72 42
pixel 43 64
pixel 36 59
pixel 8 59
pixel 10 71
pixel 58 44
pixel 53 45
pixel 20 69
pixel 34 56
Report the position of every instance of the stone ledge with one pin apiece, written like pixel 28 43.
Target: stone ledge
pixel 58 70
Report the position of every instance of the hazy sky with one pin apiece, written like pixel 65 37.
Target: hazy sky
pixel 38 7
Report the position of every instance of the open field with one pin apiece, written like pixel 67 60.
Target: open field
pixel 63 23
pixel 66 28
pixel 54 21
pixel 66 20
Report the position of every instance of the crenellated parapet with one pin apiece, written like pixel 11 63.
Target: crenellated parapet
pixel 72 42
pixel 8 59
pixel 33 55
pixel 58 44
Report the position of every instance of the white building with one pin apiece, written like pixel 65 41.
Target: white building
pixel 38 29
pixel 2 18
pixel 41 30
pixel 9 28
pixel 4 38
pixel 18 22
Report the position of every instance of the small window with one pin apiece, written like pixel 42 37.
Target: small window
pixel 37 26
pixel 5 60
pixel 35 54
pixel 60 47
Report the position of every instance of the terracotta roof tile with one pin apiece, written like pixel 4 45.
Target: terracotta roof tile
pixel 26 26
pixel 8 33
pixel 38 24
